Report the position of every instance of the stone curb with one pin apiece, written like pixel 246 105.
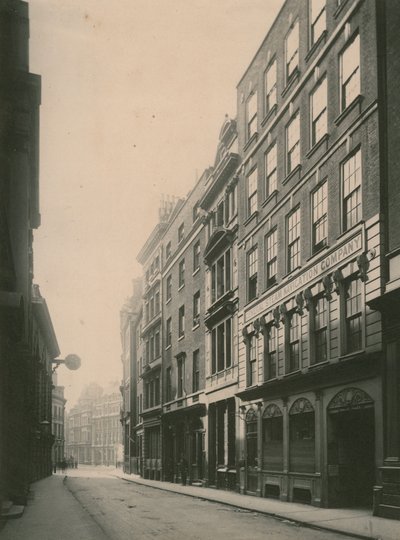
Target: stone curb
pixel 280 517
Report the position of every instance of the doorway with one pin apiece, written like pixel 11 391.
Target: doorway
pixel 351 457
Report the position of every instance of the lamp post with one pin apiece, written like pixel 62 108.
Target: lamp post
pixel 71 361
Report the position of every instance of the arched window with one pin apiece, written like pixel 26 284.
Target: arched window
pixel 302 436
pixel 251 437
pixel 272 427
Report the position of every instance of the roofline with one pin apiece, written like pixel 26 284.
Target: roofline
pixel 262 44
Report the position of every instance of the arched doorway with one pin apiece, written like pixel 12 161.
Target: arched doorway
pixel 351 449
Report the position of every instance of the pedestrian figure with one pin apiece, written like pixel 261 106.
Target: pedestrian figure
pixel 183 469
pixel 55 467
pixel 63 465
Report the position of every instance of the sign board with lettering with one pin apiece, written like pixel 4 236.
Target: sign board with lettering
pixel 304 279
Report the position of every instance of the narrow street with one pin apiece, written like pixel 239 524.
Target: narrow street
pixel 125 510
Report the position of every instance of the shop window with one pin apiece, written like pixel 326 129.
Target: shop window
pixel 272 438
pixel 251 438
pixel 302 437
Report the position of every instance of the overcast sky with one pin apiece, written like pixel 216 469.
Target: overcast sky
pixel 134 93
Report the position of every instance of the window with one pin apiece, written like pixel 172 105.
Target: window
pixel 293 229
pixel 351 171
pixel 350 72
pixel 292 50
pixel 221 276
pixel 195 212
pixel 252 360
pixel 293 349
pixel 221 346
pixel 320 329
pixel 302 437
pixel 293 143
pixel 196 256
pixel 157 344
pixel 251 438
pixel 353 316
pixel 252 202
pixel 231 204
pixel 181 232
pixel 270 170
pixel 220 215
pixel 270 87
pixel 168 336
pixel 271 253
pixel 252 271
pixel 181 376
pixel 181 273
pixel 169 288
pixel 168 384
pixel 318 19
pixel 196 371
pixel 272 428
pixel 319 217
pixel 168 250
pixel 196 308
pixel 270 352
pixel 251 115
pixel 157 302
pixel 319 114
pixel 181 321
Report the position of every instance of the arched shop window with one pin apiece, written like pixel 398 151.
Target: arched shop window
pixel 272 426
pixel 302 436
pixel 251 438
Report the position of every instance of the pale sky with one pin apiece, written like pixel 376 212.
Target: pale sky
pixel 134 93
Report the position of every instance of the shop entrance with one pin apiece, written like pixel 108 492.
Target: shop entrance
pixel 351 450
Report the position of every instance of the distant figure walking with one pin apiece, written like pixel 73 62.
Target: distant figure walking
pixel 63 465
pixel 183 469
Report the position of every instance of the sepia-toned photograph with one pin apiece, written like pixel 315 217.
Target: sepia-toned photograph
pixel 199 269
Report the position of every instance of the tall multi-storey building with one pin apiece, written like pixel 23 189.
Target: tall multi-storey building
pixel 93 427
pixel 219 202
pixel 183 406
pixel 107 432
pixel 130 316
pixel 310 237
pixel 301 381
pixel 27 340
pixel 58 421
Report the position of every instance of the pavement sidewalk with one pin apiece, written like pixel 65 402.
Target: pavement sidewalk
pixel 353 522
pixel 52 513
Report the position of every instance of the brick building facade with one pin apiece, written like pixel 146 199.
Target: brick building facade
pixel 298 384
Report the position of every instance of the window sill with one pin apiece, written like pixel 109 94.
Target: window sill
pixel 273 195
pixel 316 365
pixel 314 47
pixel 168 301
pixel 269 288
pixel 270 114
pixel 250 218
pixel 295 76
pixel 290 274
pixel 318 252
pixel 196 326
pixel 293 173
pixel 252 139
pixel 294 372
pixel 356 101
pixel 196 271
pixel 317 145
pixel 351 231
pixel 349 356
pixel 168 347
pixel 181 287
pixel 339 9
pixel 181 337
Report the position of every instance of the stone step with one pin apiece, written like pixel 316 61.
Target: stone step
pixel 12 511
pixel 388 511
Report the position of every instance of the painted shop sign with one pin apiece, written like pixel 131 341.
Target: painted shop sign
pixel 302 280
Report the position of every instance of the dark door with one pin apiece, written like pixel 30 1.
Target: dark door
pixel 351 458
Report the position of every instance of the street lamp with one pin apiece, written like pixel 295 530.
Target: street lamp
pixel 71 361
